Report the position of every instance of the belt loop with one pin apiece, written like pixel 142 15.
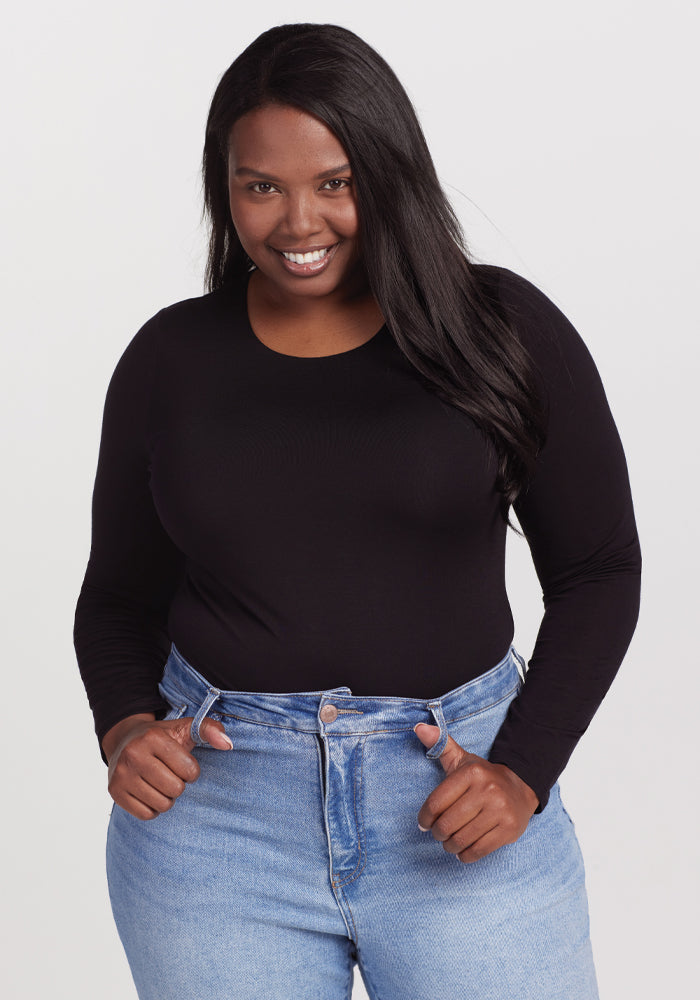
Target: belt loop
pixel 436 708
pixel 212 694
pixel 521 665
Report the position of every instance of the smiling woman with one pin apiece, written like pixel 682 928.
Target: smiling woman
pixel 294 209
pixel 294 629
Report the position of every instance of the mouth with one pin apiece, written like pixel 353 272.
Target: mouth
pixel 307 262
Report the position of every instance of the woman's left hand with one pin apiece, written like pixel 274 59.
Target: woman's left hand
pixel 479 806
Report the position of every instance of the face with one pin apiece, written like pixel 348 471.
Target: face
pixel 293 204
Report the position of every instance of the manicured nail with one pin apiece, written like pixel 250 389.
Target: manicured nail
pixel 230 744
pixel 423 829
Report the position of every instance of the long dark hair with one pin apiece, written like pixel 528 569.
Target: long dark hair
pixel 442 312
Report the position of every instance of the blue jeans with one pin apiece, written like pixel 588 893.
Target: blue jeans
pixel 297 854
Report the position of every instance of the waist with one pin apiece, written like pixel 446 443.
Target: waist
pixel 349 713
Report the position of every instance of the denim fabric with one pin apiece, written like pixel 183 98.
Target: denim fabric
pixel 297 854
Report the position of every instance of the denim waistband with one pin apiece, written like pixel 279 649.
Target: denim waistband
pixel 338 710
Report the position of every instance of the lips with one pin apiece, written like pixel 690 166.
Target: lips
pixel 306 261
pixel 308 256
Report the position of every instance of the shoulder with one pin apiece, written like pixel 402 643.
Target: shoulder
pixel 553 343
pixel 533 313
pixel 192 316
pixel 171 337
pixel 200 309
pixel 186 322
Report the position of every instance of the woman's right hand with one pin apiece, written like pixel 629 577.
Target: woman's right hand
pixel 150 762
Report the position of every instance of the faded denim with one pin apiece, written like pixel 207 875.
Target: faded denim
pixel 297 855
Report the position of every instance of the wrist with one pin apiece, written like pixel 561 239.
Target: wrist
pixel 530 796
pixel 525 790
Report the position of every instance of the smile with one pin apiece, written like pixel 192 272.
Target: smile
pixel 308 263
pixel 305 258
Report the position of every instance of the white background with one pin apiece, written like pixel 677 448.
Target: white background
pixel 564 134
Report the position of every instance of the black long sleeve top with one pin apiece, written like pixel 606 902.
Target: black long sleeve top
pixel 294 524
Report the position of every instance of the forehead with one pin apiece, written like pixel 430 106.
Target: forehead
pixel 278 138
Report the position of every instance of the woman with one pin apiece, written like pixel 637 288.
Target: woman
pixel 300 510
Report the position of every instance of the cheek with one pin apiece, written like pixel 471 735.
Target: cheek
pixel 347 222
pixel 252 226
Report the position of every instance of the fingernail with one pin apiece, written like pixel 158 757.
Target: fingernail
pixel 423 829
pixel 230 744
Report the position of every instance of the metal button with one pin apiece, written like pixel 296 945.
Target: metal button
pixel 329 713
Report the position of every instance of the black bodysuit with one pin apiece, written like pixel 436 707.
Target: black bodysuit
pixel 295 524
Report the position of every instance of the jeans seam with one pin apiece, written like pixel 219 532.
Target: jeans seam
pixel 177 687
pixel 484 708
pixel 349 908
pixel 348 984
pixel 369 982
pixel 371 732
pixel 272 725
pixel 360 824
pixel 176 712
pixel 320 751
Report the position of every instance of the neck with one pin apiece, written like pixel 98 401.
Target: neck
pixel 312 326
pixel 353 296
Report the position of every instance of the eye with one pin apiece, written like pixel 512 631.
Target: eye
pixel 262 187
pixel 337 184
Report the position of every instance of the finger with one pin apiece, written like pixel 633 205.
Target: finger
pixel 463 811
pixel 162 778
pixel 134 806
pixel 157 741
pixel 469 834
pixel 453 756
pixel 178 759
pixel 444 795
pixel 211 731
pixel 490 842
pixel 150 796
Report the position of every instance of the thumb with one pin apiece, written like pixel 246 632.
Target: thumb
pixel 213 733
pixel 452 756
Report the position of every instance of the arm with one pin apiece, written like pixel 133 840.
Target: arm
pixel 121 636
pixel 579 522
pixel 120 630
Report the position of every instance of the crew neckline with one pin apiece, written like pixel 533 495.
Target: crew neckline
pixel 302 357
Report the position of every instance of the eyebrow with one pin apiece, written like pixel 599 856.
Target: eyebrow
pixel 249 172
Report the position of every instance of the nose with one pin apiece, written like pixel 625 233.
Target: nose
pixel 302 217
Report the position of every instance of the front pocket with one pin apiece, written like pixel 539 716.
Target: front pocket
pixel 177 706
pixel 476 732
pixel 176 712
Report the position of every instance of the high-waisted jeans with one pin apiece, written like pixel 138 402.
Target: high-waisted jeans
pixel 297 854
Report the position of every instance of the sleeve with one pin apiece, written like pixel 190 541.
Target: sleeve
pixel 120 631
pixel 579 522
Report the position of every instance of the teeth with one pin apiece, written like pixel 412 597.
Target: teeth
pixel 306 258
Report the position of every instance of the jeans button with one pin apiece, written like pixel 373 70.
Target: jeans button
pixel 329 713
